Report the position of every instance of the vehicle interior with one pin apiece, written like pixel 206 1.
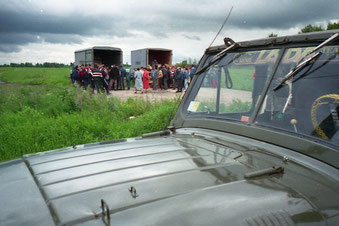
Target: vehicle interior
pixel 304 113
pixel 107 57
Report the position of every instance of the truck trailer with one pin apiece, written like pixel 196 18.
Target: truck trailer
pixel 145 57
pixel 99 55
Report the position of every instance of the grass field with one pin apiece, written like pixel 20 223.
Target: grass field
pixel 41 118
pixel 36 76
pixel 241 78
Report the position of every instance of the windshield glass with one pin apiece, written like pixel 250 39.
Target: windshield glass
pixel 306 104
pixel 231 87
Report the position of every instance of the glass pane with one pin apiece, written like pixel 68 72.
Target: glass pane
pixel 308 103
pixel 236 89
pixel 206 99
pixel 231 87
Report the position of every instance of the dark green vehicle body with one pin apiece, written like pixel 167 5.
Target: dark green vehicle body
pixel 250 160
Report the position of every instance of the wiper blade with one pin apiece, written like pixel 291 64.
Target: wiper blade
pixel 217 57
pixel 296 69
pixel 330 39
pixel 301 64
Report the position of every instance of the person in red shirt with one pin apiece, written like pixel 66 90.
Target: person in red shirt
pixel 88 77
pixel 145 80
pixel 98 79
pixel 82 74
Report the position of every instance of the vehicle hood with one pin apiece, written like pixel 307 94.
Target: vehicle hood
pixel 185 178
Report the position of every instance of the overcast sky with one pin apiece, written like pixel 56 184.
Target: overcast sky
pixel 51 30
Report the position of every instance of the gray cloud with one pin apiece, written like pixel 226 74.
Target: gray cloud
pixel 9 48
pixel 204 16
pixel 194 37
pixel 284 14
pixel 19 38
pixel 20 28
pixel 23 21
pixel 26 22
pixel 62 38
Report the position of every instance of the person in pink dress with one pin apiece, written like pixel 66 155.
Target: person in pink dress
pixel 145 79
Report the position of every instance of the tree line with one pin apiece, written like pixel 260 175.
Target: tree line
pixel 28 64
pixel 313 28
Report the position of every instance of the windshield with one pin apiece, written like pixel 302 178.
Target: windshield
pixel 309 103
pixel 306 104
pixel 231 87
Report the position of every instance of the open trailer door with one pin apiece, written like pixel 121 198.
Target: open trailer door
pixel 99 55
pixel 162 56
pixel 145 57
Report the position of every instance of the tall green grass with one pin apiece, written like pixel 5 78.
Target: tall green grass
pixel 40 118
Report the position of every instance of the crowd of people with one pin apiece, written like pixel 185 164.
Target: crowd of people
pixel 104 79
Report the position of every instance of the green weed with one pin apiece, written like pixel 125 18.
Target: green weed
pixel 39 118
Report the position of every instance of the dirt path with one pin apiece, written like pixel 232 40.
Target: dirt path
pixel 205 94
pixel 226 95
pixel 151 95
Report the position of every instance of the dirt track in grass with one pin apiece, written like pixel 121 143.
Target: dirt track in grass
pixel 151 95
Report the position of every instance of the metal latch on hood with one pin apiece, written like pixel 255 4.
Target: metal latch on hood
pixel 264 172
pixel 106 215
